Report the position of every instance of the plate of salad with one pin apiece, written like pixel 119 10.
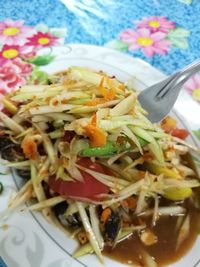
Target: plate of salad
pixel 87 178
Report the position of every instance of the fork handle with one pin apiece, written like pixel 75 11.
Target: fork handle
pixel 189 70
pixel 179 78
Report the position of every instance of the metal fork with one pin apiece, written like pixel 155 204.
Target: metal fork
pixel 159 98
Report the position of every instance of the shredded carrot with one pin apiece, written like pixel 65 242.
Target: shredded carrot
pixel 101 87
pixel 168 124
pixel 95 102
pixel 108 93
pixel 96 135
pixel 94 119
pixel 111 92
pixel 105 215
pixel 82 237
pixel 29 147
pixel 130 202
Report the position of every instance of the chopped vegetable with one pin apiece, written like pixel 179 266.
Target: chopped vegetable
pixel 156 169
pixel 177 194
pixel 47 203
pixel 107 150
pixel 88 229
pixel 96 225
pixel 124 106
pixel 153 145
pixel 142 141
pixel 90 188
pixel 147 259
pixel 83 250
pixel 180 133
pixel 183 232
pixel 10 123
pixel 108 91
pixel 10 106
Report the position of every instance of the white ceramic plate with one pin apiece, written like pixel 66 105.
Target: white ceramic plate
pixel 26 239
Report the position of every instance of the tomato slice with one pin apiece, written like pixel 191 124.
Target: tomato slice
pixel 180 133
pixel 89 188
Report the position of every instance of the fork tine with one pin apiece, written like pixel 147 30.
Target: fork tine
pixel 166 91
pixel 158 99
pixel 166 87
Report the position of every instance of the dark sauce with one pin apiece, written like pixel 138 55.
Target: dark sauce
pixel 164 251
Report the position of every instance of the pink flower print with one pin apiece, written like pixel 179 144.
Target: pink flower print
pixel 14 32
pixel 12 75
pixel 150 43
pixel 24 68
pixel 9 53
pixel 193 86
pixel 156 24
pixel 42 40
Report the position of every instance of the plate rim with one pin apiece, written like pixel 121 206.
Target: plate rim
pixel 140 61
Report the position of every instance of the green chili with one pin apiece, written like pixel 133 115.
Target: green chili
pixel 108 149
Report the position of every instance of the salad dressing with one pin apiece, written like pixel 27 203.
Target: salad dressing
pixel 164 252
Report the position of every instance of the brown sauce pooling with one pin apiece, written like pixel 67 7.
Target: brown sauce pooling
pixel 164 251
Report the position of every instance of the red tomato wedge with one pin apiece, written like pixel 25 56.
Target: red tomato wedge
pixel 89 188
pixel 180 133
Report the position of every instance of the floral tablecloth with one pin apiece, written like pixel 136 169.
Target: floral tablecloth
pixel 165 33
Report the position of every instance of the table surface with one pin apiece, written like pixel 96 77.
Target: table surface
pixel 164 33
pixel 104 22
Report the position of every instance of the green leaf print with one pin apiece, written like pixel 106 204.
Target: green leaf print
pixel 42 60
pixel 42 28
pixel 178 37
pixel 117 45
pixel 187 2
pixel 59 32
